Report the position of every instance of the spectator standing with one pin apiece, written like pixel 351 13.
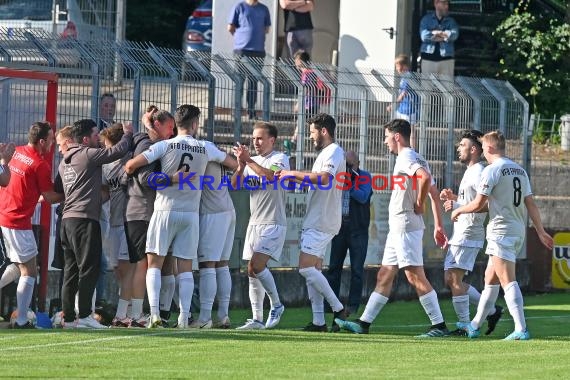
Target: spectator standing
pixel 438 32
pixel 30 178
pixel 248 23
pixel 298 24
pixel 353 234
pixel 107 109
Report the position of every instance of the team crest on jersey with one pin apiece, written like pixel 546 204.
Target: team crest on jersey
pixel 69 175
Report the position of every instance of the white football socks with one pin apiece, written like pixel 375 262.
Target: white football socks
pixel 487 302
pixel 431 306
pixel 185 292
pixel 167 287
pixel 461 307
pixel 373 307
pixel 256 297
pixel 318 280
pixel 515 303
pixel 153 283
pixel 224 284
pixel 208 289
pixel 268 282
pixel 24 294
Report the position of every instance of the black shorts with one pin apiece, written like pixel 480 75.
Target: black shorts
pixel 135 231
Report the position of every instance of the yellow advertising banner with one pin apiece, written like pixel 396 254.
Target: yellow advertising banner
pixel 561 261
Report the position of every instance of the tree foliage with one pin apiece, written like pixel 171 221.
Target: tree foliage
pixel 535 51
pixel 161 23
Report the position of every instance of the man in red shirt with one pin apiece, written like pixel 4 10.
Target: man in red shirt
pixel 30 178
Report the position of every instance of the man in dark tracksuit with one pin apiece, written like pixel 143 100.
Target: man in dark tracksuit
pixel 81 173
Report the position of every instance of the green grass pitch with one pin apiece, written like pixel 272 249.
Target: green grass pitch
pixel 389 351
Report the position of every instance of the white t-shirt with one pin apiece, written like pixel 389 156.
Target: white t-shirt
pixel 215 197
pixel 187 154
pixel 401 215
pixel 267 206
pixel 468 231
pixel 324 203
pixel 506 184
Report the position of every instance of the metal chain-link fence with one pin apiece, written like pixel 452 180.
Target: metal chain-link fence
pixel 233 92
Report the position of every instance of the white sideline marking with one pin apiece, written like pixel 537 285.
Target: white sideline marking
pixel 111 338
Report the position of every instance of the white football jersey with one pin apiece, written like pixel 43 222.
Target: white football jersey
pixel 506 184
pixel 324 203
pixel 215 195
pixel 267 205
pixel 182 153
pixel 468 231
pixel 401 215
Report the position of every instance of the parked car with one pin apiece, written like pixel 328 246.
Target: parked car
pixel 38 15
pixel 198 33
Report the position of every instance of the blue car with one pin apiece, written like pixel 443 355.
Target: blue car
pixel 198 33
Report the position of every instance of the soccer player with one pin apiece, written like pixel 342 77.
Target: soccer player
pixel 217 220
pixel 175 220
pixel 323 219
pixel 25 176
pixel 81 173
pixel 267 226
pixel 468 233
pixel 30 177
pixel 505 187
pixel 403 248
pixel 115 181
pixel 139 208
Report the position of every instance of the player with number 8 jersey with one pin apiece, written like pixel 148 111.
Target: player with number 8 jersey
pixel 505 188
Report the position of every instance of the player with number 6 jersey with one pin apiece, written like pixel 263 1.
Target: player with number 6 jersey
pixel 175 221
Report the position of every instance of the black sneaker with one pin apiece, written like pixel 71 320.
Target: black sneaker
pixel 315 328
pixel 25 326
pixel 335 327
pixel 342 315
pixel 493 319
pixel 165 323
pixel 458 332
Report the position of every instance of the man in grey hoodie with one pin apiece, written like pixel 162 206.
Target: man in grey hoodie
pixel 81 173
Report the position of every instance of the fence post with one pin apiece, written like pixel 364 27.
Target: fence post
pixel 159 59
pixel 502 105
pixel 293 76
pixel 450 121
pixel 257 71
pixel 206 74
pixel 476 101
pixel 237 78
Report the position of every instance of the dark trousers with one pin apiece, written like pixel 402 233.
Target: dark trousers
pixel 251 81
pixel 81 240
pixel 356 241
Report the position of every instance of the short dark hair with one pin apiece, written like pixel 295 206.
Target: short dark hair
pixel 107 95
pixel 114 133
pixel 268 127
pixel 302 55
pixel 323 120
pixel 400 126
pixel 185 115
pixel 38 131
pixel 82 128
pixel 474 136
